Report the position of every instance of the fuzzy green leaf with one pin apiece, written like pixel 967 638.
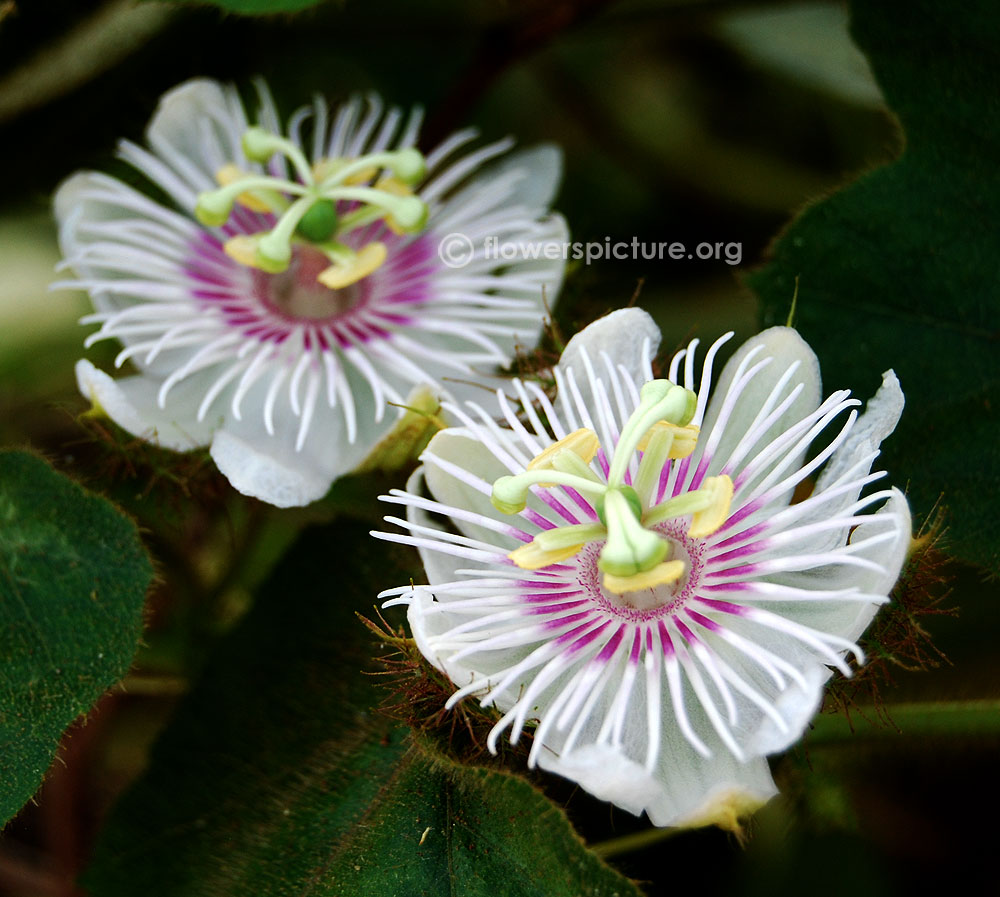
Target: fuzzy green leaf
pixel 278 763
pixel 73 579
pixel 900 269
pixel 443 829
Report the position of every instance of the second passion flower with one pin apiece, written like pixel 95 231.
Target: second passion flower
pixel 292 289
pixel 625 573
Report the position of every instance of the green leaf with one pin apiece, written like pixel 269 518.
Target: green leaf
pixel 900 269
pixel 277 762
pixel 73 579
pixel 257 7
pixel 440 828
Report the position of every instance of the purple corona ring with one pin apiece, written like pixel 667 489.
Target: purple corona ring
pixel 299 284
pixel 624 570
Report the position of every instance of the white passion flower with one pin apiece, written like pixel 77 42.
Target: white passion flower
pixel 625 570
pixel 297 287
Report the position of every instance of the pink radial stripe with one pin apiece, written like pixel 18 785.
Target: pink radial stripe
pixel 726 607
pixel 742 477
pixel 739 570
pixel 682 470
pixel 748 533
pixel 636 650
pixel 742 552
pixel 664 481
pixel 749 508
pixel 685 633
pixel 549 596
pixel 591 626
pixel 537 519
pixel 557 608
pixel 556 505
pixel 666 642
pixel 699 474
pixel 588 638
pixel 530 584
pixel 609 649
pixel 702 620
pixel 727 587
pixel 562 622
pixel 519 534
pixel 581 502
pixel 602 460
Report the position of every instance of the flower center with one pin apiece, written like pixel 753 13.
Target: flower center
pixel 326 201
pixel 649 602
pixel 296 292
pixel 635 556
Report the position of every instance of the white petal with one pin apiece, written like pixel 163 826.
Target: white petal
pixel 438 565
pixel 881 415
pixel 534 281
pixel 425 626
pixel 460 447
pixel 131 403
pixel 785 347
pixel 271 468
pixel 628 336
pixel 796 706
pixel 685 790
pixel 853 459
pixel 197 129
pixel 263 470
pixel 848 619
pixel 89 198
pixel 541 167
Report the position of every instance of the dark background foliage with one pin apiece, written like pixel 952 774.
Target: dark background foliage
pixel 690 120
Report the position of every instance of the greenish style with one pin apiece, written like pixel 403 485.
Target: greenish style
pixel 277 761
pixel 73 580
pixel 900 267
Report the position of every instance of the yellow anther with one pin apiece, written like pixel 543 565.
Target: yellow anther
pixel 243 249
pixel 361 177
pixel 661 574
pixel 395 187
pixel 533 557
pixel 583 443
pixel 230 174
pixel 344 273
pixel 684 438
pixel 707 521
pixel 325 167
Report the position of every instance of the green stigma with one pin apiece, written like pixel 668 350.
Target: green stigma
pixel 320 223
